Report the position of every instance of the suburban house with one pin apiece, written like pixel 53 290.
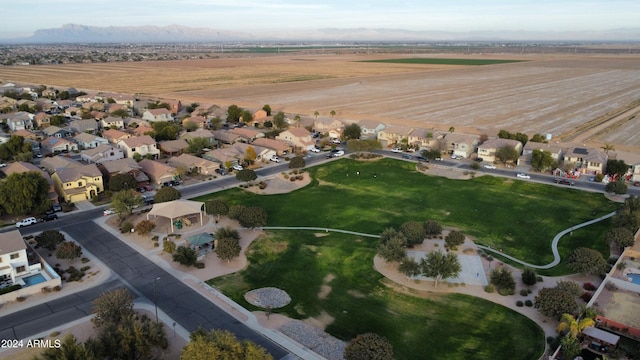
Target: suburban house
pixel 633 160
pixel 527 150
pixel 78 183
pixel 56 145
pixel 279 146
pixel 259 117
pixel 57 132
pixel 113 136
pixel 200 121
pixel 50 93
pixel 194 163
pixel 585 160
pixel 369 129
pixel 155 115
pixel 246 134
pixel 124 166
pixel 200 133
pixel 421 138
pixel 112 122
pixel 142 130
pixel 101 153
pixel 299 138
pixel 42 120
pixel 394 134
pixel 158 172
pixel 23 167
pixel 26 134
pixel 236 153
pixel 52 164
pixel 88 141
pixel 461 144
pixel 21 120
pixel 487 150
pixel 325 125
pixel 143 145
pixel 173 147
pixel 174 105
pixel 226 137
pixel 80 126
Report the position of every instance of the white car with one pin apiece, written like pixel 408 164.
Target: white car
pixel 107 212
pixel 237 167
pixel 274 158
pixel 523 176
pixel 338 153
pixel 396 150
pixel 314 149
pixel 336 141
pixel 3 165
pixel 438 159
pixel 489 166
pixel 26 222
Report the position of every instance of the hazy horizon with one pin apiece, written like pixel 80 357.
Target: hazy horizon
pixel 22 19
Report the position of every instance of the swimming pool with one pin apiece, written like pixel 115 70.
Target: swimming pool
pixel 635 278
pixel 33 279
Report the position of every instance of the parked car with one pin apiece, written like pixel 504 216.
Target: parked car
pixel 314 149
pixel 523 176
pixel 338 153
pixel 422 158
pixel 564 182
pixel 396 150
pixel 48 217
pixel 479 159
pixel 237 167
pixel 171 183
pixel 274 158
pixel 107 212
pixel 438 159
pixel 489 166
pixel 407 156
pixel 456 157
pixel 336 141
pixel 26 222
pixel 56 207
pixel 221 171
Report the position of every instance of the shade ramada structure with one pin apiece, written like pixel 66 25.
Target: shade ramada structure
pixel 176 209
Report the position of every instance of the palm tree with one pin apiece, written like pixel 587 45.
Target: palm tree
pixel 297 120
pixel 452 129
pixel 316 113
pixel 333 113
pixel 569 325
pixel 607 147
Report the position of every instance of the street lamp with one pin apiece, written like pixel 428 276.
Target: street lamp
pixel 154 297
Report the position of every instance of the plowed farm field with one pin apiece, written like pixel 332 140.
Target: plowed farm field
pixel 586 99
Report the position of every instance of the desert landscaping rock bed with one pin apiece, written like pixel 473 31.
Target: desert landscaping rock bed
pixel 315 339
pixel 268 298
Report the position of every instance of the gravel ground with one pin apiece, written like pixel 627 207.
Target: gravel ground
pixel 268 298
pixel 314 339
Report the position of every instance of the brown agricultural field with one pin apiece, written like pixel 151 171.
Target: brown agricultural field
pixel 579 98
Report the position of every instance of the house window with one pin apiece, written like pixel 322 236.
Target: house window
pixel 133 149
pixel 20 269
pixel 80 183
pixel 112 154
pixel 14 256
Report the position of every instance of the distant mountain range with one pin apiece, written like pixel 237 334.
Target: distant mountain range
pixel 74 33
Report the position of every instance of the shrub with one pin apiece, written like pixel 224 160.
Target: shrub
pixel 21 298
pixel 586 296
pixel 519 303
pixel 524 292
pixel 145 226
pixel 74 274
pixel 528 303
pixel 506 292
pixel 539 278
pixel 56 288
pixel 168 246
pixel 85 268
pixel 155 244
pixel 126 227
pixel 45 290
pixel 84 260
pixel 155 238
pixel 588 286
pixel 9 289
pixel 489 288
pixel 199 265
pixel 292 179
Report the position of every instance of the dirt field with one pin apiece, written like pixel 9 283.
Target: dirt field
pixel 573 97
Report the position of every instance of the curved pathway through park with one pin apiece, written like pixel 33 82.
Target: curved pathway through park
pixel 554 243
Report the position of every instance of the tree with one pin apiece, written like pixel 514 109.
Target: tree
pixel 409 267
pixel 144 227
pixel 607 147
pixel 432 228
pixel 164 130
pixel 233 114
pixel 620 236
pixel 539 138
pixel 431 153
pixel 250 155
pixel 529 277
pixel 316 114
pixel 133 338
pixel 197 145
pixel 553 302
pixel 570 326
pixel 168 246
pixel 388 234
pixel 120 113
pixel 253 217
pixel 221 344
pixel 616 168
pixel 503 280
pixel 236 211
pixel 185 255
pixel 352 131
pixel 570 287
pixel 70 349
pixel 368 346
pixel 216 207
pixel 570 347
pixel 413 231
pixel 438 265
pixel 190 126
pixel 166 194
pixel 24 193
pixel 393 250
pixel 454 238
pixel 68 250
pixel 617 187
pixel 542 160
pixel 507 154
pixel 124 201
pixel 279 120
pixel 246 116
pixel 122 182
pixel 49 239
pixel 297 162
pixel 267 108
pixel 332 113
pixel 112 307
pixel 228 248
pixel 246 175
pixel 587 261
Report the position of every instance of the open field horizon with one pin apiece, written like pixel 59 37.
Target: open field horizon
pixel 587 99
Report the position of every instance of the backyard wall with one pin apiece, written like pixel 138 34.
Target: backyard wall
pixel 617 327
pixel 38 288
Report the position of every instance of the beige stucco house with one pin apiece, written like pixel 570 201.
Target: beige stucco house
pixel 78 183
pixel 487 150
pixel 143 145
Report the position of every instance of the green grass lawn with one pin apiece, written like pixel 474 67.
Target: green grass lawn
pixel 519 217
pixel 441 326
pixel 438 61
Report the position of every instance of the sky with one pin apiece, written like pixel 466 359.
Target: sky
pixel 21 18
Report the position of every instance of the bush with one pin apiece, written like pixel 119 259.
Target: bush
pixel 506 292
pixel 489 288
pixel 46 290
pixel 586 297
pixel 528 303
pixel 145 226
pixel 524 292
pixel 126 227
pixel 519 303
pixel 168 246
pixel 85 268
pixel 74 274
pixel 11 288
pixel 84 260
pixel 21 298
pixel 57 288
pixel 199 265
pixel 539 278
pixel 588 286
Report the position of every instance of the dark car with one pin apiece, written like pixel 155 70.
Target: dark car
pixel 48 217
pixel 56 207
pixel 422 158
pixel 564 182
pixel 479 159
pixel 407 156
pixel 221 171
pixel 171 183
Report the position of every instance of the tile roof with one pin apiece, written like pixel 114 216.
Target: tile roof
pixel 137 141
pixel 75 173
pixel 11 242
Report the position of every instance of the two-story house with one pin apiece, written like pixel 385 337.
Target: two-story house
pixel 331 126
pixel 555 151
pixel 21 120
pixel 112 122
pixel 42 120
pixel 155 115
pixel 124 166
pixel 143 145
pixel 200 121
pixel 299 138
pixel 114 136
pixel 487 150
pixel 102 153
pixel 394 134
pixel 585 160
pixel 78 183
pixel 15 262
pixel 369 128
pixel 461 144
pixel 88 141
pixel 58 145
